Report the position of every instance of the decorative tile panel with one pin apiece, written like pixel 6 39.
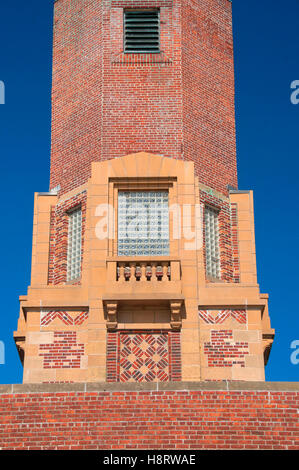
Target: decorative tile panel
pixel 143 356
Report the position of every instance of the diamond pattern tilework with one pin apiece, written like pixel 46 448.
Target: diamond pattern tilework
pixel 144 357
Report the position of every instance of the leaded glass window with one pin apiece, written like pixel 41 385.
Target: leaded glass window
pixel 212 242
pixel 74 244
pixel 143 223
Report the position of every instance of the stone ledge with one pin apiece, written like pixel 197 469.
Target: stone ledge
pixel 154 387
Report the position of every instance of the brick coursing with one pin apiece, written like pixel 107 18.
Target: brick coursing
pixel 63 353
pixel 150 420
pixel 222 351
pixel 208 91
pixel 59 382
pixel 59 237
pixel 179 103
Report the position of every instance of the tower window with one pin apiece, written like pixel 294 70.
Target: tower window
pixel 143 223
pixel 212 243
pixel 74 244
pixel 142 31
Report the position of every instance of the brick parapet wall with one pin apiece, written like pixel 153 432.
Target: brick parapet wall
pixel 202 415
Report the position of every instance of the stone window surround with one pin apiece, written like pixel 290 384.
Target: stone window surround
pixel 140 184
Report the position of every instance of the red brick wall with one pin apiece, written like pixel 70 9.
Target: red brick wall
pixel 76 91
pixel 148 419
pixel 179 103
pixel 208 91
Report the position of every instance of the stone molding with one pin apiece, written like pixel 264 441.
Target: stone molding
pixel 226 386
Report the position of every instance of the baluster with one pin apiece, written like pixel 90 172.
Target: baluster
pixel 143 271
pixel 154 272
pixel 133 272
pixel 122 272
pixel 165 271
pixel 148 272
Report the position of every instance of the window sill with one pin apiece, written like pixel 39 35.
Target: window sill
pixel 140 58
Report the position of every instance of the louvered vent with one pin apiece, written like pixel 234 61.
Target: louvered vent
pixel 142 31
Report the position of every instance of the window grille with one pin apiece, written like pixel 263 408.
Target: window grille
pixel 74 245
pixel 212 243
pixel 142 31
pixel 143 223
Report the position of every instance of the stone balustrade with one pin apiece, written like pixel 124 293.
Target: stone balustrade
pixel 162 269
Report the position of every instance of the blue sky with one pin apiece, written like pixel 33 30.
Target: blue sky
pixel 266 62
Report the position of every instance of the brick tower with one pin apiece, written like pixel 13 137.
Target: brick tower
pixel 143 261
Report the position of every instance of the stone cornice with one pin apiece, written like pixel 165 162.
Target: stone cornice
pixel 226 386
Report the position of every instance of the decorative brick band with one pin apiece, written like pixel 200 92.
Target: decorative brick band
pixel 63 353
pixel 60 382
pixel 221 351
pixel 143 356
pixel 48 317
pixel 142 3
pixel 208 317
pixel 141 60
